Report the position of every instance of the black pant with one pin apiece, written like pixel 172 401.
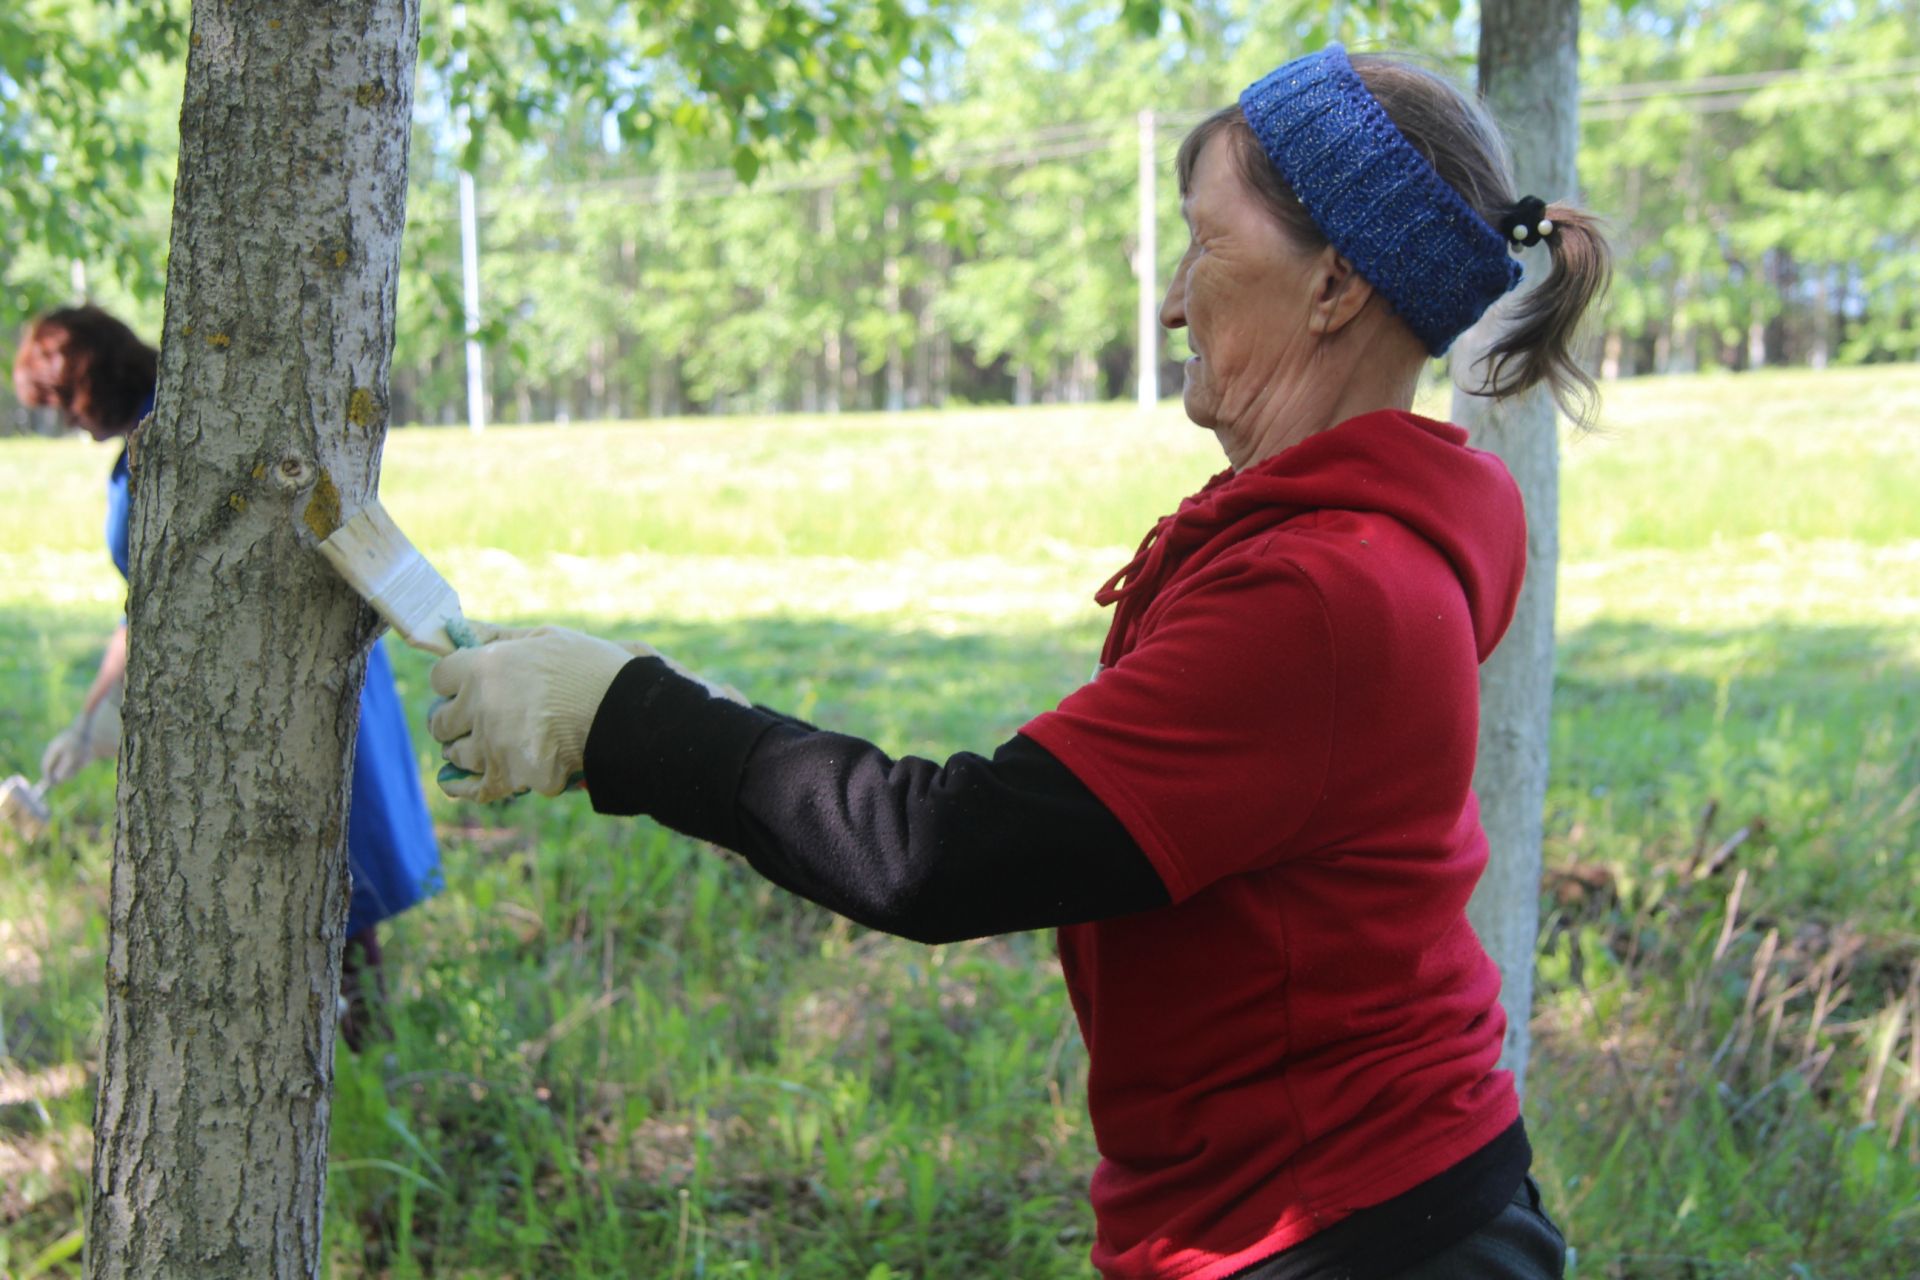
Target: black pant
pixel 1521 1243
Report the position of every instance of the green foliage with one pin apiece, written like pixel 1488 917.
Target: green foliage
pixel 87 105
pixel 745 205
pixel 986 251
pixel 756 76
pixel 1756 193
pixel 620 1053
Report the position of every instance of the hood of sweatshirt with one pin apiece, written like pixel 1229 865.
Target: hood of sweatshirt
pixel 1416 470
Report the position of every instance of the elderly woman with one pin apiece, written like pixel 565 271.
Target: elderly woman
pixel 1254 828
pixel 100 376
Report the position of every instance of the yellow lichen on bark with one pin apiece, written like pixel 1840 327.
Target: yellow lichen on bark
pixel 363 408
pixel 323 508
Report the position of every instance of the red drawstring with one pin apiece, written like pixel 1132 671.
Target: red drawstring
pixel 1172 537
pixel 1133 588
pixel 1115 589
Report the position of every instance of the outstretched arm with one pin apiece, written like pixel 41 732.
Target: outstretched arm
pixel 934 852
pixel 113 671
pixel 95 731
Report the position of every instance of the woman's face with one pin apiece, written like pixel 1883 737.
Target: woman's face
pixel 1243 292
pixel 43 379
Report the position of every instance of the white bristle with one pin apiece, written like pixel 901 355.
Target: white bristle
pixel 24 807
pixel 375 558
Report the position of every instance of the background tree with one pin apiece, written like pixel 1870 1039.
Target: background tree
pixel 1529 75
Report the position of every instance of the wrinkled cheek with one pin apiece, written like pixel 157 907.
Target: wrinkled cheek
pixel 1198 395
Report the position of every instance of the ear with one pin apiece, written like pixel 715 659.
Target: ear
pixel 1339 293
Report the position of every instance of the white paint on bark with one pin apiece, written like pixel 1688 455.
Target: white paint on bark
pixel 1529 77
pixel 229 884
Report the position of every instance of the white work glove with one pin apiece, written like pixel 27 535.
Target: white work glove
pixel 92 736
pixel 485 633
pixel 518 710
pixel 519 707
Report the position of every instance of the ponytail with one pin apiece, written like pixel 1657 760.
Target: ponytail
pixel 1537 345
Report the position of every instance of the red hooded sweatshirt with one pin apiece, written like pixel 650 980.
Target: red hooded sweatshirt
pixel 1285 722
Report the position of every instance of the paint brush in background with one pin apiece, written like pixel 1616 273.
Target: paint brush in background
pixel 375 558
pixel 24 806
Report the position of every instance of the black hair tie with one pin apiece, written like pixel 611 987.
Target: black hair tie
pixel 1525 223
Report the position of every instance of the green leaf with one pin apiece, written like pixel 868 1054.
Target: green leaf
pixel 746 163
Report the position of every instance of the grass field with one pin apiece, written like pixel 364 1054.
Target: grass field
pixel 618 1054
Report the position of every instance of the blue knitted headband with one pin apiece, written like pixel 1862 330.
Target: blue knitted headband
pixel 1376 198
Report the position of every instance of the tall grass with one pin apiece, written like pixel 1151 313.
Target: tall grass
pixel 618 1053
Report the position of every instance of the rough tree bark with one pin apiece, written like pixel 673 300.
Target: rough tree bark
pixel 229 883
pixel 1529 76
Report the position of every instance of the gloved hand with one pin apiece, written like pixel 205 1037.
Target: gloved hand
pixel 92 736
pixel 485 633
pixel 519 707
pixel 518 710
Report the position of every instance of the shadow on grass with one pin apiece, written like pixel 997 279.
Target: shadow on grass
pixel 1664 739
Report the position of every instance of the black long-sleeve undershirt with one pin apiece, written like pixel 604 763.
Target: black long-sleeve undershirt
pixel 931 852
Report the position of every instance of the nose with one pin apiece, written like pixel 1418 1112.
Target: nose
pixel 1173 307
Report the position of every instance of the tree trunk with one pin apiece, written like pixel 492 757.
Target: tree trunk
pixel 920 392
pixel 830 357
pixel 597 381
pixel 896 371
pixel 1529 76
pixel 1822 318
pixel 657 374
pixel 230 881
pixel 809 384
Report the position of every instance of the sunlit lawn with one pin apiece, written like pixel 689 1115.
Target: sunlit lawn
pixel 621 1055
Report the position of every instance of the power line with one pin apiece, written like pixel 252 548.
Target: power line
pixel 1714 104
pixel 1747 80
pixel 1704 94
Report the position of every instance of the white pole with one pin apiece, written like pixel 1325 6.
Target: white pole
pixel 470 268
pixel 1147 343
pixel 470 263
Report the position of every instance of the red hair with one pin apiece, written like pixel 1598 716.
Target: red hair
pixel 88 365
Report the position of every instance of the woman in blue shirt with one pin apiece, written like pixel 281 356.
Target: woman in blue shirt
pixel 100 376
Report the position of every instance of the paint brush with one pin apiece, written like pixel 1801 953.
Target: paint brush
pixel 24 805
pixel 375 558
pixel 378 561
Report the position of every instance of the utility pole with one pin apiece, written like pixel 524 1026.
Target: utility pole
pixel 1147 339
pixel 470 271
pixel 469 255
